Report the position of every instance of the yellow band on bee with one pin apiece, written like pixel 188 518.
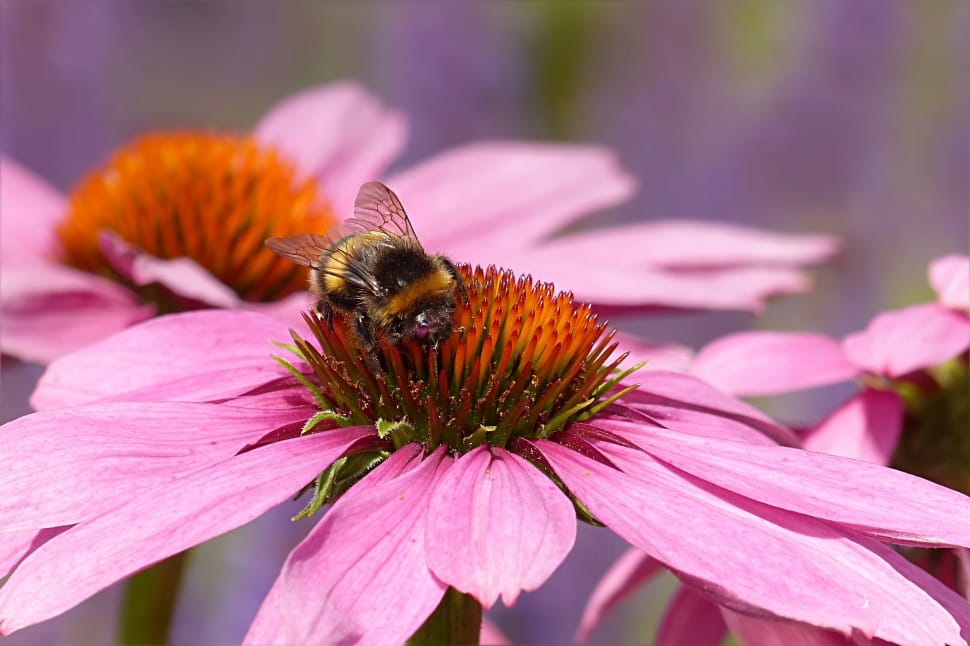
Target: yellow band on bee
pixel 437 282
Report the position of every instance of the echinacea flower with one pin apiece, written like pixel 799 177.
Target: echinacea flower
pixel 692 618
pixel 455 476
pixel 911 412
pixel 176 221
pixel 894 358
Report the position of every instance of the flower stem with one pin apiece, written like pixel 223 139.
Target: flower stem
pixel 149 602
pixel 456 620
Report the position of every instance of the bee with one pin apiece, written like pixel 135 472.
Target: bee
pixel 378 276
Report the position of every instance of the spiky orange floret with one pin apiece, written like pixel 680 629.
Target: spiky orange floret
pixel 524 361
pixel 211 197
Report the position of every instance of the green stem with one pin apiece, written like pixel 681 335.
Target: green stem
pixel 456 620
pixel 149 602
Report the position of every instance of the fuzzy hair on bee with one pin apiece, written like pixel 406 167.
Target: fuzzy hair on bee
pixel 377 276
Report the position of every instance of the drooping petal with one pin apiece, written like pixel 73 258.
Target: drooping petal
pixel 194 508
pixel 623 578
pixel 497 526
pixel 339 133
pixel 48 310
pixel 67 465
pixel 901 341
pixel 749 556
pixel 183 276
pixel 689 405
pixel 950 278
pixel 691 619
pixel 31 209
pixel 867 427
pixel 188 279
pixel 693 244
pixel 360 576
pixel 772 632
pixel 616 285
pixel 500 195
pixel 886 503
pixel 207 355
pixel 768 363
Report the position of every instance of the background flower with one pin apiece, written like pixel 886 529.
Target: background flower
pixel 218 196
pixel 895 345
pixel 910 411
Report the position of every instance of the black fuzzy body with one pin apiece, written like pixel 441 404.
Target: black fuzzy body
pixel 387 287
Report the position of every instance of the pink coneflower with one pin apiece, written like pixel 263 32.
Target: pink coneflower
pixel 176 221
pixel 456 477
pixel 911 412
pixel 902 358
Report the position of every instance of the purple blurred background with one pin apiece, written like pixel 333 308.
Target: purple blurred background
pixel 845 117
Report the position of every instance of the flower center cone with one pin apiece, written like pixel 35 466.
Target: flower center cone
pixel 523 361
pixel 213 198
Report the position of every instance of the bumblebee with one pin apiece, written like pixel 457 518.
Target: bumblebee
pixel 377 275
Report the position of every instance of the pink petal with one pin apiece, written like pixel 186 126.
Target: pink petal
pixel 749 556
pixel 497 195
pixel 68 465
pixel 867 427
pixel 898 342
pixel 881 502
pixel 360 575
pixel 963 559
pixel 950 278
pixel 615 284
pixel 31 208
pixel 339 133
pixel 687 244
pixel 770 632
pixel 269 627
pixel 196 356
pixel 768 363
pixel 183 276
pixel 48 310
pixel 492 636
pixel 658 356
pixel 497 526
pixel 15 545
pixel 691 619
pixel 624 577
pixel 689 405
pixel 156 522
pixel 955 604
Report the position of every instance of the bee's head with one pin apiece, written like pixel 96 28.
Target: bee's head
pixel 429 324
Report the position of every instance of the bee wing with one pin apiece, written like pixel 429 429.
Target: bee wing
pixel 377 208
pixel 304 249
pixel 347 267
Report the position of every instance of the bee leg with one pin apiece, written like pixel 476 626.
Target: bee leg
pixel 364 333
pixel 325 311
pixel 453 271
